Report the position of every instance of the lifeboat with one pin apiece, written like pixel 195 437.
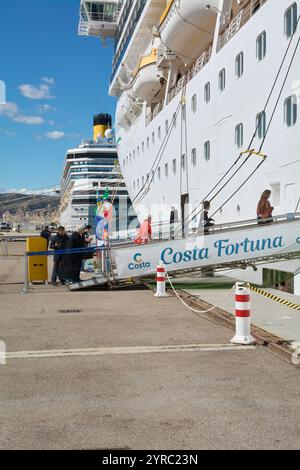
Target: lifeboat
pixel 148 78
pixel 128 109
pixel 187 26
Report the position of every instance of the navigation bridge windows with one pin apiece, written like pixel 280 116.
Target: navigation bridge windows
pixel 99 18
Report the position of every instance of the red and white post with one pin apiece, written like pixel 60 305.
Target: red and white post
pixel 242 315
pixel 161 281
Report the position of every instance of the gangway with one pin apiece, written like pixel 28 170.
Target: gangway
pixel 233 245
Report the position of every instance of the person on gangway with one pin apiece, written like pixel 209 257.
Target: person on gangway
pixel 173 220
pixel 205 221
pixel 144 234
pixel 264 209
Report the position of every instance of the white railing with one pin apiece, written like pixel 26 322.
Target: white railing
pixel 239 21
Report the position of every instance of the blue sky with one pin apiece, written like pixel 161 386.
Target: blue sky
pixel 55 82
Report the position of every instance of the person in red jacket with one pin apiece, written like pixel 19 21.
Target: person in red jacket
pixel 144 234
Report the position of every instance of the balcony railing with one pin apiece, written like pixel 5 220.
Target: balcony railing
pixel 235 25
pixel 240 20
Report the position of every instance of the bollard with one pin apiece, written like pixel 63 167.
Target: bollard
pixel 242 315
pixel 161 281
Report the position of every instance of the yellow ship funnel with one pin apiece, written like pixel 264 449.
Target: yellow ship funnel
pixel 102 122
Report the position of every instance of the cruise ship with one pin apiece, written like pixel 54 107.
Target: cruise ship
pixel 91 171
pixel 207 103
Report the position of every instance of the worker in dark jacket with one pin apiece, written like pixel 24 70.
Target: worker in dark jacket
pixel 46 234
pixel 70 265
pixel 57 243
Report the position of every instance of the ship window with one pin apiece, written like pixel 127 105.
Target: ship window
pixel 194 103
pixel 290 20
pixel 134 154
pixel 194 156
pixel 153 174
pixel 130 157
pixel 290 111
pixel 207 92
pixel 127 160
pixel 148 142
pixel 138 184
pixel 239 135
pixel 174 166
pixel 261 125
pixel 143 146
pixel 138 150
pixel 124 162
pixel 153 138
pixel 158 172
pixel 207 151
pixel 166 170
pixel 222 80
pixel 134 185
pixel 166 126
pixel 239 65
pixel 159 132
pixel 182 162
pixel 143 181
pixel 95 185
pixel 261 46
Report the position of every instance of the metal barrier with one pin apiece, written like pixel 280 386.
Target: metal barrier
pixel 107 261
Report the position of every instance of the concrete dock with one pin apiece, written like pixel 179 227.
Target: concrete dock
pixel 123 370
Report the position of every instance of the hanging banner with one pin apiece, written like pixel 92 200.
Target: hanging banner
pixel 238 244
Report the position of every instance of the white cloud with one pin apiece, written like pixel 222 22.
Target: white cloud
pixel 55 135
pixel 48 80
pixel 51 191
pixel 7 133
pixel 31 120
pixel 44 108
pixel 36 93
pixel 43 91
pixel 12 111
pixel 8 109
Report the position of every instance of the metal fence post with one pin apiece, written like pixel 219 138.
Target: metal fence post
pixel 25 289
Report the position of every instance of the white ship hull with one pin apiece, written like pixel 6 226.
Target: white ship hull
pixel 215 122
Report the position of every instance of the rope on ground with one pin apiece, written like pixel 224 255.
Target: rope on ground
pixel 196 311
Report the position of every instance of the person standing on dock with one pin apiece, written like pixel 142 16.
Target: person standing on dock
pixel 70 265
pixel 46 234
pixel 58 243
